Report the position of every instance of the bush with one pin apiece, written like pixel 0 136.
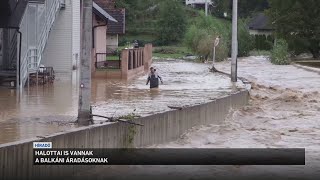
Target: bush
pixel 245 40
pixel 123 41
pixel 279 53
pixel 201 34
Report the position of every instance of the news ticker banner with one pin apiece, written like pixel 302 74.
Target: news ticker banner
pixel 168 156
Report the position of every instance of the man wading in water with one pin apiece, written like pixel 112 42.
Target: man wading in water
pixel 153 78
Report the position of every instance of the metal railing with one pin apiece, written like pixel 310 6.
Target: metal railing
pixel 33 54
pixel 107 61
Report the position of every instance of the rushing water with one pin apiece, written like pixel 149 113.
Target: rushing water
pixel 48 109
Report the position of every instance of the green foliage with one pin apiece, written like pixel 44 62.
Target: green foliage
pixel 202 32
pixel 245 40
pixel 129 138
pixel 262 42
pixel 172 22
pixel 279 53
pixel 245 7
pixel 259 53
pixel 297 21
pixel 175 52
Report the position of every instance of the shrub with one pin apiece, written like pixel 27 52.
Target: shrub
pixel 245 40
pixel 279 53
pixel 201 34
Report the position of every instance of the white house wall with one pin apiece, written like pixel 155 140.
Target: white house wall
pixel 112 41
pixel 58 51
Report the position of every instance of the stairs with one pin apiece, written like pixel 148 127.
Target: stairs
pixel 31 59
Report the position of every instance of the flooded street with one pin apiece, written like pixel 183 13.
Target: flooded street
pixel 53 108
pixel 38 111
pixel 185 84
pixel 283 113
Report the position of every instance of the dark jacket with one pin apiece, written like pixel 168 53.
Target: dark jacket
pixel 153 78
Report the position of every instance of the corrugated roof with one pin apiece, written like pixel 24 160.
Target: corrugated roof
pixel 100 11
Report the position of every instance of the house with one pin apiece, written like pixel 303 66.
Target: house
pixel 101 20
pixel 260 25
pixel 27 27
pixel 115 29
pixel 197 3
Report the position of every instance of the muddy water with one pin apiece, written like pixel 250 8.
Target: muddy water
pixel 184 84
pixel 40 111
pixel 283 113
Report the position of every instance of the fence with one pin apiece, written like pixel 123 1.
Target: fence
pixel 130 64
pixel 135 61
pixel 107 61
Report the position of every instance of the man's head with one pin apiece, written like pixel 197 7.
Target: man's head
pixel 151 69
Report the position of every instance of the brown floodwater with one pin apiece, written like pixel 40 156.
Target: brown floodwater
pixel 43 110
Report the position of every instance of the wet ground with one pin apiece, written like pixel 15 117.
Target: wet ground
pixel 284 112
pixel 310 63
pixel 41 111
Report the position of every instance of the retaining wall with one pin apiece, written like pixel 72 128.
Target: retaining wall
pixel 16 158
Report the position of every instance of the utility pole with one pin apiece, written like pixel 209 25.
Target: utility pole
pixel 234 41
pixel 84 111
pixel 206 7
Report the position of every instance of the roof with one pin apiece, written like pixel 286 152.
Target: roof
pixel 11 13
pixel 260 22
pixel 102 13
pixel 119 27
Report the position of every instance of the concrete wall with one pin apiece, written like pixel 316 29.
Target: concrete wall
pixel 58 51
pixel 16 158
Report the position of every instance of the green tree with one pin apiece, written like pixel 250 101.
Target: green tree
pixel 245 40
pixel 245 7
pixel 297 21
pixel 202 32
pixel 172 21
